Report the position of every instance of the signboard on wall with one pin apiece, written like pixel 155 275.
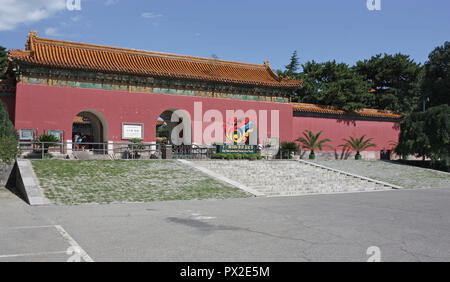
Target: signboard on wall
pixel 132 131
pixel 236 149
pixel 26 134
pixel 56 133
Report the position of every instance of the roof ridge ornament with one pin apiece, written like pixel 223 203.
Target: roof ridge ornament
pixel 271 72
pixel 30 42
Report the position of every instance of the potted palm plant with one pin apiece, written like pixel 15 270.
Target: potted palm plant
pixel 358 145
pixel 311 142
pixel 44 142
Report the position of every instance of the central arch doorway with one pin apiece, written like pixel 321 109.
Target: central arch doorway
pixel 164 127
pixel 89 131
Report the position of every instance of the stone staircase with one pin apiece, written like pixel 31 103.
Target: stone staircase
pixel 290 178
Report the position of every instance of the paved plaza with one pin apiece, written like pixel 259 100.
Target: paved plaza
pixel 407 225
pixel 323 224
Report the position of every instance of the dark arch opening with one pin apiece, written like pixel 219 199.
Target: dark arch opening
pixel 164 127
pixel 89 127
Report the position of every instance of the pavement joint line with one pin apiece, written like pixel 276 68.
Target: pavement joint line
pixel 333 193
pixel 32 254
pixel 393 186
pixel 223 178
pixel 30 227
pixel 73 243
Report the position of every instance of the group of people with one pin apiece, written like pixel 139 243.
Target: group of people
pixel 80 141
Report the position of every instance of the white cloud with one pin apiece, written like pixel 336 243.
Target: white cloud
pixel 75 18
pixel 150 15
pixel 16 12
pixel 52 31
pixel 111 2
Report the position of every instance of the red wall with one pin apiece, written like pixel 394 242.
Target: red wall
pixel 50 107
pixel 382 132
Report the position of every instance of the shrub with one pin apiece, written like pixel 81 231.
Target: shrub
pixel 8 137
pixel 8 149
pixel 230 156
pixel 6 126
pixel 222 156
pixel 136 144
pixel 289 146
pixel 252 157
pixel 48 140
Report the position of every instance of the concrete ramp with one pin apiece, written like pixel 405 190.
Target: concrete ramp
pixel 26 184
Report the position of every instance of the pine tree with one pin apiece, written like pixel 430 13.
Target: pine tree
pixel 3 61
pixel 436 81
pixel 292 68
pixel 394 80
pixel 8 137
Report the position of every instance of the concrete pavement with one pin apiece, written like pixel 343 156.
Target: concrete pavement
pixel 407 225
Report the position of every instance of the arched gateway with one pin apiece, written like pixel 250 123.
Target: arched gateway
pixel 92 124
pixel 132 89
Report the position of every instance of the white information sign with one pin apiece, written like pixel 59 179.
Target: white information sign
pixel 132 131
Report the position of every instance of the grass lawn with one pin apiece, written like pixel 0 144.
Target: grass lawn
pixel 106 181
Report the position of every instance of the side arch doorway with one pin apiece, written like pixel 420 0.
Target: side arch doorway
pixel 89 130
pixel 164 127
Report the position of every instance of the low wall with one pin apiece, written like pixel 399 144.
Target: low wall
pixel 385 133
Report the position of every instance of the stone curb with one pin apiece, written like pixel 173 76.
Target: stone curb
pixel 222 178
pixel 353 175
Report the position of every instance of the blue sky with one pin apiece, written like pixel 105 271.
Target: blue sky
pixel 246 30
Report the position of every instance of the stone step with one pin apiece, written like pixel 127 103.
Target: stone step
pixel 289 177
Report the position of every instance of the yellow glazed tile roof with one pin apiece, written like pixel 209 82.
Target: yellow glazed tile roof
pixel 90 57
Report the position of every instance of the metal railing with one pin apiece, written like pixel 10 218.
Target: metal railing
pixel 112 150
pixel 42 149
pixel 130 150
pixel 192 151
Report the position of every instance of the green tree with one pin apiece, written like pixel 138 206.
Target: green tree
pixel 6 126
pixel 292 68
pixel 8 137
pixel 426 134
pixel 3 61
pixel 395 80
pixel 334 84
pixel 436 80
pixel 311 141
pixel 358 145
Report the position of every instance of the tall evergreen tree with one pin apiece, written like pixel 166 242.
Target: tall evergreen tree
pixel 8 137
pixel 436 80
pixel 3 61
pixel 426 134
pixel 292 68
pixel 6 126
pixel 395 80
